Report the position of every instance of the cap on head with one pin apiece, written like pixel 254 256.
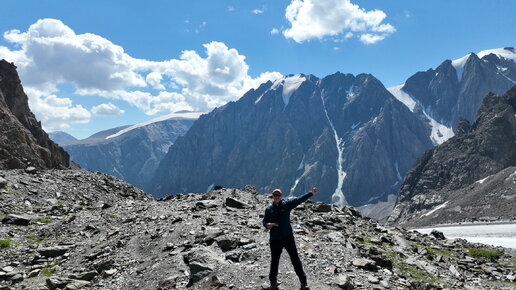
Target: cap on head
pixel 276 192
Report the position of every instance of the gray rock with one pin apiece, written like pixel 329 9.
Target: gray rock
pixel 3 182
pixel 437 234
pixel 343 282
pixel 365 264
pixel 321 207
pixel 31 170
pixel 54 251
pixel 19 220
pixel 232 202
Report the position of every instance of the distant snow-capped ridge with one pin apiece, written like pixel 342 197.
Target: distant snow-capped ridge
pixel 181 115
pixel 506 52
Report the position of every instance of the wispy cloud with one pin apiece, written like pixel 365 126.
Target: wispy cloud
pixel 317 19
pixel 50 53
pixel 274 31
pixel 257 11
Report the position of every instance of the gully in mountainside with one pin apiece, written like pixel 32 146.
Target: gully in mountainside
pixel 277 221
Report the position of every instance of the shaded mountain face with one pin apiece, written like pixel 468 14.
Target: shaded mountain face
pixel 22 140
pixel 61 137
pixel 456 88
pixel 470 177
pixel 346 134
pixel 132 155
pixel 101 233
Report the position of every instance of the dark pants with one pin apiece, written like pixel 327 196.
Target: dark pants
pixel 276 248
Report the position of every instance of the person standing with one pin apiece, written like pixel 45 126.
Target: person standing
pixel 277 221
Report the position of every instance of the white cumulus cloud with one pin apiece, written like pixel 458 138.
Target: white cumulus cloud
pixel 56 113
pixel 50 53
pixel 316 19
pixel 107 110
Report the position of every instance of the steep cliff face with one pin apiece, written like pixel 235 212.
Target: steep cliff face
pixel 456 88
pixel 475 170
pixel 337 133
pixel 22 140
pixel 131 153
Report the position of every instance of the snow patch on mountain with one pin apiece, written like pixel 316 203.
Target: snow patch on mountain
pixel 172 116
pixel 435 209
pixel 508 53
pixel 403 97
pixel 338 197
pixel 289 85
pixel 440 133
pixel 459 64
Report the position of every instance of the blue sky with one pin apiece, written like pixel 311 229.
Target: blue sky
pixel 93 65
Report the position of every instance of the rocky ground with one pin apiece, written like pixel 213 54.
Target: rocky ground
pixel 75 229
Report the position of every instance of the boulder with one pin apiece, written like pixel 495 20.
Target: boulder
pixel 321 207
pixel 14 219
pixel 54 251
pixel 343 281
pixel 232 202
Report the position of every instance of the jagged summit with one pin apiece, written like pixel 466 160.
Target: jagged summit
pixel 91 230
pixel 23 142
pixel 468 178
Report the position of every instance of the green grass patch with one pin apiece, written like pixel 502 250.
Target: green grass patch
pixel 417 274
pixel 482 253
pixel 47 271
pixel 365 241
pixel 4 244
pixel 11 190
pixel 114 216
pixel 45 220
pixel 35 240
pixel 434 251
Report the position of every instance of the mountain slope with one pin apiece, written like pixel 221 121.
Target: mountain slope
pixel 470 177
pixel 61 137
pixel 298 131
pixel 455 88
pixel 22 140
pixel 131 153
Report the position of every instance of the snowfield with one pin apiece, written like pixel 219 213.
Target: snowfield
pixel 492 234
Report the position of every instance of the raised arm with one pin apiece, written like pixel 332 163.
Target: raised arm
pixel 293 203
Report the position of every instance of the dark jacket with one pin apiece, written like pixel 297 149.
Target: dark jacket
pixel 280 214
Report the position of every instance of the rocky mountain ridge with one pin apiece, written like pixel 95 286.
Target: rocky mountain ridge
pixel 75 229
pixel 470 177
pixel 131 153
pixel 23 142
pixel 297 131
pixel 337 131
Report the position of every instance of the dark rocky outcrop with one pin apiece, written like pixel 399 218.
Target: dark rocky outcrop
pixel 138 242
pixel 471 176
pixel 22 140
